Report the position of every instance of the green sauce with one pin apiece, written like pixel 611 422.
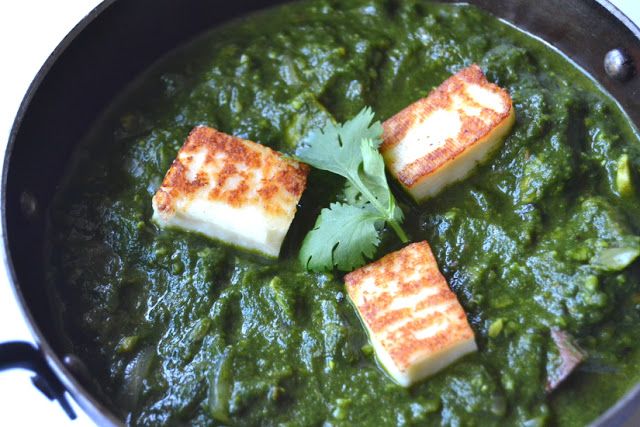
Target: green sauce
pixel 180 329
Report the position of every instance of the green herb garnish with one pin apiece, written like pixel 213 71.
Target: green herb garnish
pixel 346 234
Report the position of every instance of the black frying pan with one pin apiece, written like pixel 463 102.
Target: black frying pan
pixel 120 39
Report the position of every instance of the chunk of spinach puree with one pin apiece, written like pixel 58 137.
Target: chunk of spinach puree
pixel 179 329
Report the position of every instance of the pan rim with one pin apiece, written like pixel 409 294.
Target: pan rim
pixel 94 408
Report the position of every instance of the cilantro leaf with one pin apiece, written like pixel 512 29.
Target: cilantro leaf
pixel 352 196
pixel 343 236
pixel 336 148
pixel 375 179
pixel 347 233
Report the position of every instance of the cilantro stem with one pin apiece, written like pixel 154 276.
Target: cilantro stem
pixel 399 231
pixel 376 204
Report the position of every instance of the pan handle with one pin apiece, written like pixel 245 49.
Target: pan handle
pixel 24 355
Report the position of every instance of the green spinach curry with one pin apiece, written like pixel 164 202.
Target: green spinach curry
pixel 179 329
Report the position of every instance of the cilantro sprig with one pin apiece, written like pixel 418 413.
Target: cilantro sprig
pixel 346 234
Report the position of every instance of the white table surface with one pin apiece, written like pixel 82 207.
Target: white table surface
pixel 29 31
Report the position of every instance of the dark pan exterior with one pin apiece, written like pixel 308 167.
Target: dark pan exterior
pixel 120 39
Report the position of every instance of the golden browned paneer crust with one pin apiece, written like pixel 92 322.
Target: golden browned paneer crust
pixel 474 128
pixel 234 171
pixel 379 291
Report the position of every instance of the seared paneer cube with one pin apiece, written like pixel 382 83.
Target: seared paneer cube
pixel 415 323
pixel 231 189
pixel 439 139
